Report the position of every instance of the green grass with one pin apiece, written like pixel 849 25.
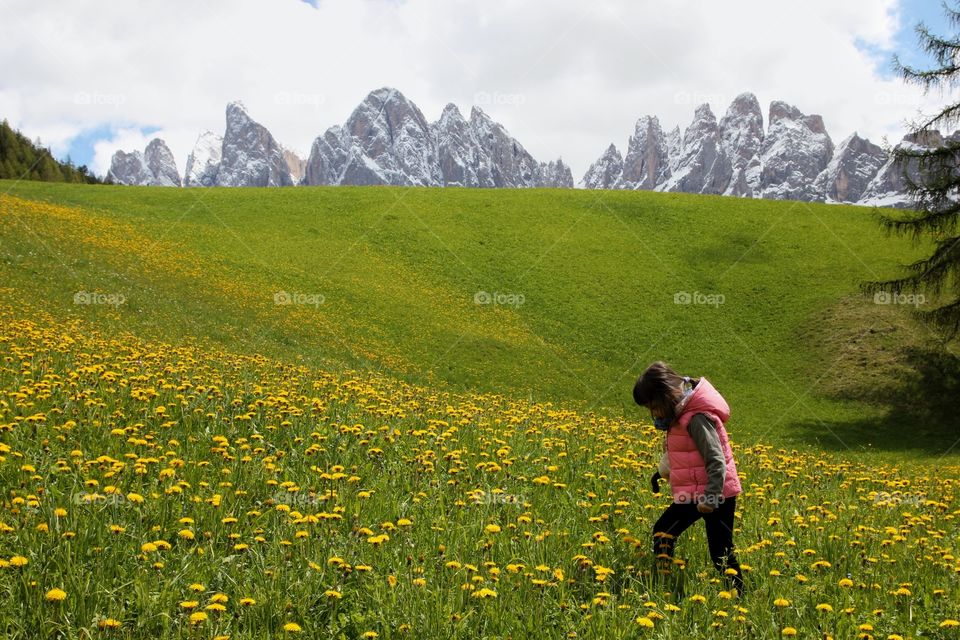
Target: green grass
pixel 398 269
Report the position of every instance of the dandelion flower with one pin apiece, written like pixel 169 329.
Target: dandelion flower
pixel 56 595
pixel 292 627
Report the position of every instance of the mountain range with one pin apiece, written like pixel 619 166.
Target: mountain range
pixel 387 140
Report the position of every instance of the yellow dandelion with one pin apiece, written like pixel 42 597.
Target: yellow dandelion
pixel 56 595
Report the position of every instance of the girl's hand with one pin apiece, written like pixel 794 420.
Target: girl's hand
pixel 703 507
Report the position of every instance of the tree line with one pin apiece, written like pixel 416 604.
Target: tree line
pixel 21 159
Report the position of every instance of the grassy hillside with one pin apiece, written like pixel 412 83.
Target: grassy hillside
pixel 585 285
pixel 182 457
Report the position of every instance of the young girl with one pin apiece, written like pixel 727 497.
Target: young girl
pixel 703 474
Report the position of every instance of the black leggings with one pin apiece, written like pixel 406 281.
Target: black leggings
pixel 678 517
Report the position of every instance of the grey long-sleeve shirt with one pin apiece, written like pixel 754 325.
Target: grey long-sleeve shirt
pixel 704 434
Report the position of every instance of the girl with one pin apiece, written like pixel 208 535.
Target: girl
pixel 703 474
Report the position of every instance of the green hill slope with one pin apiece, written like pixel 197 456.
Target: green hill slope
pixel 584 289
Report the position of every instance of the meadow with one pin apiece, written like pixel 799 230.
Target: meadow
pixel 217 425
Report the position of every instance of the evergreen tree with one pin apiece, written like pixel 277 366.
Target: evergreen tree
pixel 21 159
pixel 932 177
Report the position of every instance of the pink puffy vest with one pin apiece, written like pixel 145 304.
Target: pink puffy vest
pixel 688 471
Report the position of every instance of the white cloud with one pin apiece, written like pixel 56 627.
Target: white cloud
pixel 565 77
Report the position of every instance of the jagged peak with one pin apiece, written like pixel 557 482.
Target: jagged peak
pixel 704 112
pixel 450 113
pixel 476 113
pixel 385 95
pixel 748 99
pixel 612 151
pixel 157 142
pixel 237 106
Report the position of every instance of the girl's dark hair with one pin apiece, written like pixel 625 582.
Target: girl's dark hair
pixel 658 387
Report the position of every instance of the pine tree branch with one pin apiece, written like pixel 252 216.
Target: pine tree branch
pixel 938 221
pixel 946 316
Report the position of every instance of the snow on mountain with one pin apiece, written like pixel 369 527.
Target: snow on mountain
pixel 462 161
pixel 848 174
pixel 794 152
pixel 606 172
pixel 510 164
pixel 555 174
pixel 251 157
pixel 393 139
pixel 203 163
pixel 888 186
pixel 387 140
pixel 793 159
pixel 154 167
pixel 646 164
pixel 700 166
pixel 741 134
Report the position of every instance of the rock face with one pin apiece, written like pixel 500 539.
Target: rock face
pixel 251 157
pixel 741 134
pixel 203 163
pixel 462 161
pixel 700 166
pixel 555 174
pixel 391 142
pixel 646 163
pixel 387 140
pixel 605 173
pixel 854 164
pixel 793 159
pixel 155 167
pixel 794 152
pixel 888 188
pixel 161 164
pixel 510 164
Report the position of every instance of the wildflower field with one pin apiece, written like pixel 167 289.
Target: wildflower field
pixel 190 488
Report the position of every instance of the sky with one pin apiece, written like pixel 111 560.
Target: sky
pixel 566 78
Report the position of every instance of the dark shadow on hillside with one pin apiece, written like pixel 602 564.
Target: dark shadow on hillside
pixel 922 402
